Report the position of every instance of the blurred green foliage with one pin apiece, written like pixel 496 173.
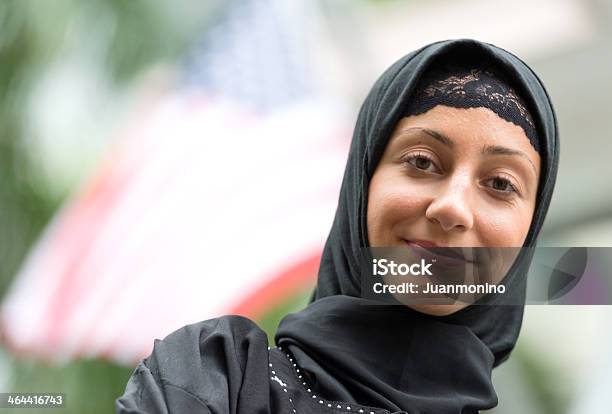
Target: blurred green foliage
pixel 90 386
pixel 23 210
pixel 270 321
pixel 130 35
pixel 538 375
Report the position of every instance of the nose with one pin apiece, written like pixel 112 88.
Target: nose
pixel 450 206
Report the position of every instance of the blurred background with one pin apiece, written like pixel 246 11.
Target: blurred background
pixel 168 162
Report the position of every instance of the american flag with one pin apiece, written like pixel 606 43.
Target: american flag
pixel 216 199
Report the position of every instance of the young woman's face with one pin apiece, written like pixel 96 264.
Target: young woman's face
pixel 457 178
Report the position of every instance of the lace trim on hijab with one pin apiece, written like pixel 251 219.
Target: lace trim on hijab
pixel 471 89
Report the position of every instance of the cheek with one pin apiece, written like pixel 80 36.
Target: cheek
pixel 391 201
pixel 504 227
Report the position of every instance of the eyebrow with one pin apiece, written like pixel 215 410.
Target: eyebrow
pixel 497 150
pixel 443 139
pixel 489 150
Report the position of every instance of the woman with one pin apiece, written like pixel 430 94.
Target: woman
pixel 456 144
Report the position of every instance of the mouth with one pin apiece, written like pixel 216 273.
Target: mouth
pixel 442 254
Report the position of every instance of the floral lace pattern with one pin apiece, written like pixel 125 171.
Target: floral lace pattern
pixel 470 89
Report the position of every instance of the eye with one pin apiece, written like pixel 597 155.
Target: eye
pixel 422 162
pixel 502 185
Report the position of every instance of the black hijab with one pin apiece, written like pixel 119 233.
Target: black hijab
pixel 390 356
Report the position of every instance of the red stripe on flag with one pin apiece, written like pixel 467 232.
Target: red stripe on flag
pixel 288 282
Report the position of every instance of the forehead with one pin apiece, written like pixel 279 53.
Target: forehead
pixel 467 128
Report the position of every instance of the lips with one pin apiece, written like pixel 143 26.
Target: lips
pixel 443 254
pixel 423 243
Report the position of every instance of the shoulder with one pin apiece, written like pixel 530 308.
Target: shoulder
pixel 198 360
pixel 228 325
pixel 230 338
pixel 228 329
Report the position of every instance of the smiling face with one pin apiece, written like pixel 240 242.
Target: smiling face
pixel 453 177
